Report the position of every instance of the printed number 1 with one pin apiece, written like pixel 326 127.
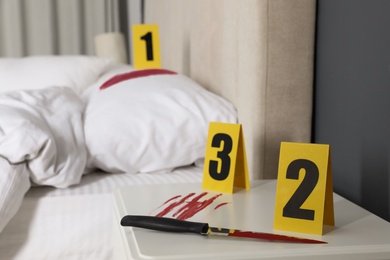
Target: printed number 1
pixel 149 45
pixel 223 155
pixel 293 207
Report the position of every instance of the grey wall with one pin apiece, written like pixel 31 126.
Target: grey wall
pixel 352 98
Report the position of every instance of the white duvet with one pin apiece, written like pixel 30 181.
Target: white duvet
pixel 41 143
pixel 48 134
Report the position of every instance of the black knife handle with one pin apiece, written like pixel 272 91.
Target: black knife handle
pixel 165 224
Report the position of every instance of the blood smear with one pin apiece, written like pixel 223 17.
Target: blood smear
pixel 189 205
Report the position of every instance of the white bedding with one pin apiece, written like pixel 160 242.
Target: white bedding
pixel 75 223
pixel 51 206
pixel 42 140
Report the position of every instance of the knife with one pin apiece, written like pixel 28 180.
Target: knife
pixel 181 226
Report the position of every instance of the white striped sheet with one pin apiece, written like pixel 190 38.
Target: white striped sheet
pixel 75 223
pixel 61 227
pixel 100 182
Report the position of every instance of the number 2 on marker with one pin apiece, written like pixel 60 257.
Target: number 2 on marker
pixel 293 208
pixel 304 193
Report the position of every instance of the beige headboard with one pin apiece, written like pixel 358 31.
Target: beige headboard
pixel 256 53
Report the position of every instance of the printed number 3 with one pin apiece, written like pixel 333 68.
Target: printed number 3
pixel 149 45
pixel 293 207
pixel 223 155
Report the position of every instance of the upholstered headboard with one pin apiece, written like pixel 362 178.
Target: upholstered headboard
pixel 257 54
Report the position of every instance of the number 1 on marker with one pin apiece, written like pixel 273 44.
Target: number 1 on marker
pixel 146 46
pixel 149 45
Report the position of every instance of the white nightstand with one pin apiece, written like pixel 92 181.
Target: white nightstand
pixel 358 234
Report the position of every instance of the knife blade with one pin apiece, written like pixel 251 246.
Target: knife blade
pixel 184 226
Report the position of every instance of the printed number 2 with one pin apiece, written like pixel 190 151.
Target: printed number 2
pixel 149 45
pixel 293 207
pixel 223 155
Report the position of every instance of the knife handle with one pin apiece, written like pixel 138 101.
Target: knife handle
pixel 165 224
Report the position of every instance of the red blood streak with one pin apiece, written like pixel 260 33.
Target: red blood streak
pixel 220 205
pixel 188 208
pixel 173 198
pixel 268 236
pixel 134 74
pixel 173 205
pixel 194 206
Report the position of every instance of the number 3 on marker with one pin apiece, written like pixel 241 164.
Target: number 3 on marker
pixel 225 164
pixel 219 169
pixel 146 46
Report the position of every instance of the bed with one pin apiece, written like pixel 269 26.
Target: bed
pixel 224 61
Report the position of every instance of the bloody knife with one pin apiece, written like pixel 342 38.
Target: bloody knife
pixel 181 226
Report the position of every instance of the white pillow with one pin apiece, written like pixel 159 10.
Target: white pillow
pixel 111 70
pixel 33 72
pixel 145 123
